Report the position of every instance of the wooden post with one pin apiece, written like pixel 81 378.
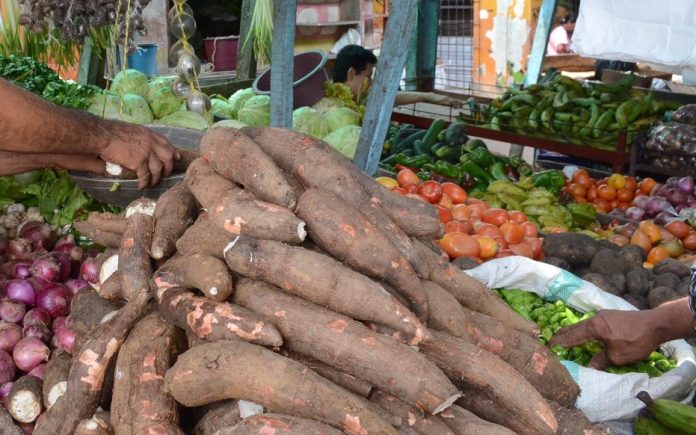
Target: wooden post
pixel 89 64
pixel 282 62
pixel 380 102
pixel 246 64
pixel 428 16
pixel 536 56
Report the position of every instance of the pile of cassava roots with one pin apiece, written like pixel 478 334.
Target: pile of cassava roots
pixel 279 289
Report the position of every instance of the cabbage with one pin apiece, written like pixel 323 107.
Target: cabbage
pixel 308 121
pixel 340 117
pixel 183 119
pixel 256 111
pixel 328 103
pixel 221 108
pixel 129 81
pixel 229 123
pixel 345 140
pixel 161 97
pixel 238 99
pixel 134 108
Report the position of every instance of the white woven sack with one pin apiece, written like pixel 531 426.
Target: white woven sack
pixel 604 396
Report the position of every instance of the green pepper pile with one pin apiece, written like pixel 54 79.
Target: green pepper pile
pixel 448 154
pixel 562 108
pixel 552 316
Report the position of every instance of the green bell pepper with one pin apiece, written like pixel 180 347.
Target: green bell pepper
pixel 497 171
pixel 482 157
pixel 553 180
pixel 415 161
pixel 448 169
pixel 469 166
pixel 449 153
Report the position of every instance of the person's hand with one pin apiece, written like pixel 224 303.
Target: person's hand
pixel 445 100
pixel 628 336
pixel 139 149
pixel 17 163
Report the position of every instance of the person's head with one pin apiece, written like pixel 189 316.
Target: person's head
pixel 354 64
pixel 568 22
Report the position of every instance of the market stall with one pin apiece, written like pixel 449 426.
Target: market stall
pixel 274 283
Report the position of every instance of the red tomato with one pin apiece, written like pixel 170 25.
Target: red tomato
pixel 504 253
pixel 459 245
pixel 523 250
pixel 399 190
pixel 454 191
pixel 517 216
pixel 512 232
pixel 690 241
pixel 461 211
pixel 534 243
pixel 477 209
pixel 431 190
pixel 443 213
pixel 407 176
pixel 530 230
pixel 495 216
pixel 489 247
pixel 463 227
pixel 446 201
pixel 502 243
pixel 410 188
pixel 472 201
pixel 489 230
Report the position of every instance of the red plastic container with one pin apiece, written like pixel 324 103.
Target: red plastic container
pixel 309 74
pixel 222 52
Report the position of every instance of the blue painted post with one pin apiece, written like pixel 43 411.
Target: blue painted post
pixel 282 62
pixel 380 102
pixel 428 16
pixel 246 64
pixel 536 56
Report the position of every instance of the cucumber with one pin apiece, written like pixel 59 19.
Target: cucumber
pixel 407 143
pixel 432 133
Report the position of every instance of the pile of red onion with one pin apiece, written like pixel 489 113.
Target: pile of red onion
pixel 38 278
pixel 665 202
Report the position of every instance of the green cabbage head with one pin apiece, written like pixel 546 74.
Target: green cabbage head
pixel 340 117
pixel 221 108
pixel 238 99
pixel 161 97
pixel 328 103
pixel 256 112
pixel 308 121
pixel 129 81
pixel 345 140
pixel 185 119
pixel 229 123
pixel 134 108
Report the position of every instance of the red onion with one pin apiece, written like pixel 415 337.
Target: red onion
pixel 38 371
pixel 92 253
pixel 37 331
pixel 20 249
pixel 635 213
pixel 54 298
pixel 672 181
pixel 64 263
pixel 12 311
pixel 656 204
pixel 68 246
pixel 7 367
pixel 5 389
pixel 61 323
pixel 641 201
pixel 664 218
pixel 38 233
pixel 3 246
pixel 46 268
pixel 37 316
pixel 10 334
pixel 21 290
pixel 89 270
pixel 29 353
pixel 65 339
pixel 686 185
pixel 75 285
pixel 674 196
pixel 3 284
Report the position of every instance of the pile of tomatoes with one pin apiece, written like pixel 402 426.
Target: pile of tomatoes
pixel 607 194
pixel 673 240
pixel 472 228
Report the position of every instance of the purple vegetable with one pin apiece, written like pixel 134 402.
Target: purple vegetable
pixel 65 339
pixel 3 246
pixel 64 263
pixel 3 284
pixel 38 371
pixel 7 367
pixel 29 353
pixel 672 181
pixel 16 269
pixel 75 285
pixel 37 316
pixel 686 185
pixel 21 290
pixel 20 249
pixel 674 196
pixel 68 246
pixel 663 218
pixel 38 233
pixel 12 311
pixel 54 298
pixel 89 270
pixel 641 201
pixel 61 323
pixel 38 331
pixel 655 205
pixel 5 389
pixel 46 268
pixel 635 213
pixel 10 334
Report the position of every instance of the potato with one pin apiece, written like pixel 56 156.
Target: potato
pixel 603 282
pixel 606 244
pixel 660 295
pixel 558 262
pixel 608 262
pixel 638 282
pixel 671 265
pixel 636 300
pixel 634 255
pixel 667 279
pixel 683 289
pixel 577 249
pixel 619 280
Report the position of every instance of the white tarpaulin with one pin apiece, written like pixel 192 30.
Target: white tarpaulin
pixel 661 32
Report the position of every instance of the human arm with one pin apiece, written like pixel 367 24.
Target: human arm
pixel 35 126
pixel 403 98
pixel 17 163
pixel 630 336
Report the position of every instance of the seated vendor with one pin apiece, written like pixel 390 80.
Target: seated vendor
pixel 354 67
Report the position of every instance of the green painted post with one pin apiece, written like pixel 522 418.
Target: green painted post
pixel 282 62
pixel 246 64
pixel 428 17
